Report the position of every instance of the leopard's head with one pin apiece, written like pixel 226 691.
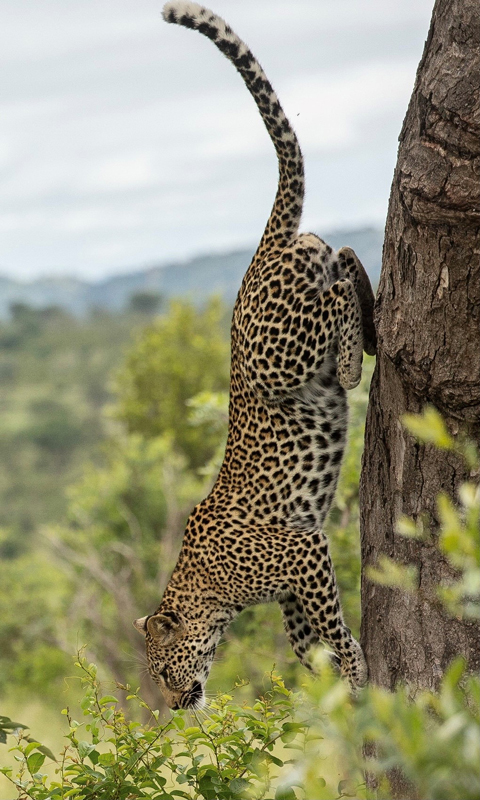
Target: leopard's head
pixel 179 654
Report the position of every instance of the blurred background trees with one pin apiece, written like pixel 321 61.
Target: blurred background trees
pixel 181 354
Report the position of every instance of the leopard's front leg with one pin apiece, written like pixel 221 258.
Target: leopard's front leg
pixel 302 637
pixel 294 567
pixel 317 595
pixel 300 633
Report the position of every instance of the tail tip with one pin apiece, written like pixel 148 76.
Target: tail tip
pixel 174 10
pixel 168 13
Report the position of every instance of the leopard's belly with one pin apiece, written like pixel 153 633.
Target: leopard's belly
pixel 282 460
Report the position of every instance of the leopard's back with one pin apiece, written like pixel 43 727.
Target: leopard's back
pixel 285 442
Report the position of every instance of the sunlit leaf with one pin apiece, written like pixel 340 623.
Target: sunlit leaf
pixel 429 427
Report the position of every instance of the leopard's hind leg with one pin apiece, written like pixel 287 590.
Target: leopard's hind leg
pixel 296 317
pixel 352 268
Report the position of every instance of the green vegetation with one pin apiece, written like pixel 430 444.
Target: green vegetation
pixel 107 446
pixel 227 753
pixel 178 356
pixel 283 746
pixel 53 370
pixel 459 527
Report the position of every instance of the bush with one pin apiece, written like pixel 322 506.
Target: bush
pixel 283 746
pixel 176 357
pixel 227 753
pixel 433 738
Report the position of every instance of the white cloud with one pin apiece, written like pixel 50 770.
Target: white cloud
pixel 332 109
pixel 126 171
pixel 126 141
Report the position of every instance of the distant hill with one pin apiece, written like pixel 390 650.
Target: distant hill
pixel 196 278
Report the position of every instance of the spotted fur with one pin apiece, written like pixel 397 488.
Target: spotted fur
pixel 301 320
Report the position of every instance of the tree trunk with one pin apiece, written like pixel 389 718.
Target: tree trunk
pixel 428 325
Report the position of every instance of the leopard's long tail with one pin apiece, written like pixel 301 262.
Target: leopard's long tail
pixel 284 219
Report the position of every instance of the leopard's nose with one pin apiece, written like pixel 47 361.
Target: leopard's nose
pixel 175 707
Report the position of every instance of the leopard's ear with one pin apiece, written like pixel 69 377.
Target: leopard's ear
pixel 141 624
pixel 166 627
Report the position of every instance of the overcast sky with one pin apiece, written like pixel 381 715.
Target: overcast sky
pixel 125 141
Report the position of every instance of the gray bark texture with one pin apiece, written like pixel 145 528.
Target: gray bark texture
pixel 427 317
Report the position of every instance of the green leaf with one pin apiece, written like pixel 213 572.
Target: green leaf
pixel 238 785
pixel 294 726
pixel 83 749
pixel 207 788
pixel 183 778
pixel 430 428
pixel 8 724
pixel 32 746
pixel 106 759
pixel 409 528
pixel 46 751
pixel 389 573
pixel 108 699
pixel 285 793
pixel 35 762
pixel 178 721
pixel 6 771
pixel 192 731
pixel 274 760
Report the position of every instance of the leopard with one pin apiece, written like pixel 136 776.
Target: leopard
pixel 301 321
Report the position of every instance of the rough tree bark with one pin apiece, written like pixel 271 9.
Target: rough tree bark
pixel 428 325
